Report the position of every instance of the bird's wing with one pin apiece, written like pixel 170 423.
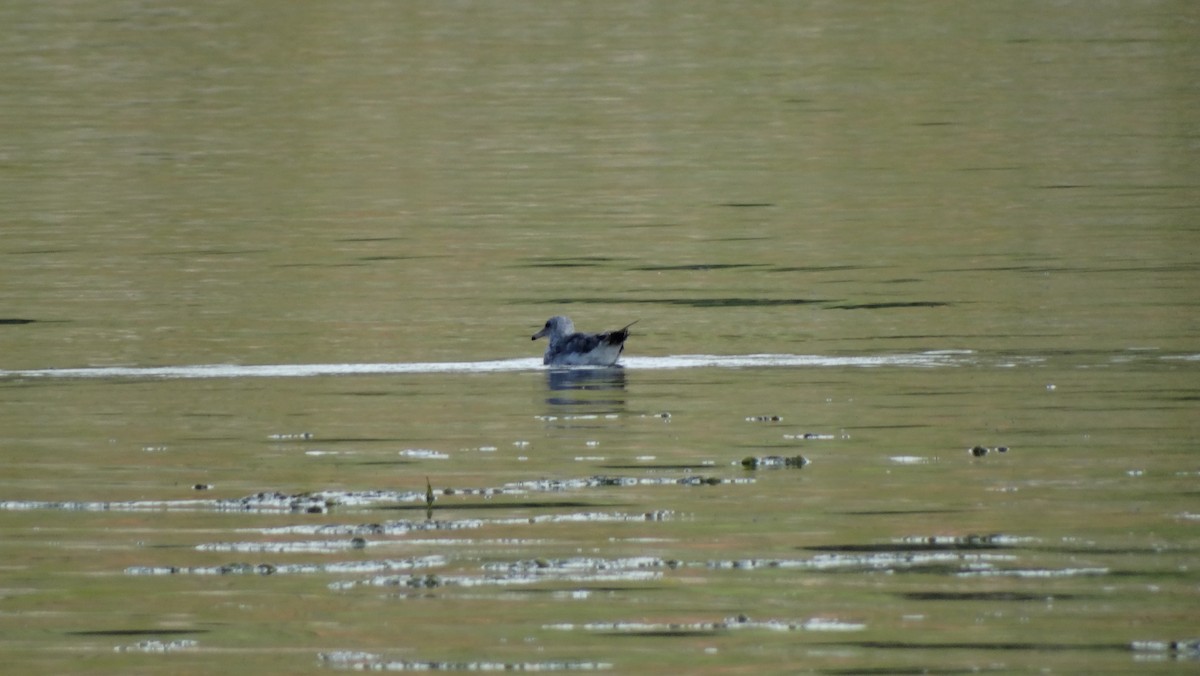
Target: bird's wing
pixel 579 343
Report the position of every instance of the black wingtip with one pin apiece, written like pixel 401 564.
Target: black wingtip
pixel 620 335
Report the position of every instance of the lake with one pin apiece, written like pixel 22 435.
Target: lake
pixel 914 386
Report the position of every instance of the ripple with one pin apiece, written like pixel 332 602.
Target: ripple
pixel 341 567
pixel 1036 572
pixel 692 628
pixel 360 661
pixel 159 646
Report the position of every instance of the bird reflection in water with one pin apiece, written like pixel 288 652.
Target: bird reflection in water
pixel 586 390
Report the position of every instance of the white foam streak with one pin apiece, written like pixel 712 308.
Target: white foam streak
pixel 686 361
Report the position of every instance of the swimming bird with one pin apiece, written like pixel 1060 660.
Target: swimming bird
pixel 570 348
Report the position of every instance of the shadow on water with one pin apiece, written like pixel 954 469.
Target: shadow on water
pixel 692 302
pixel 527 504
pixel 590 390
pixel 893 671
pixel 906 547
pixel 136 632
pixel 657 466
pixel 987 596
pixel 984 646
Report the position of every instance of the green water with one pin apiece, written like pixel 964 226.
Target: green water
pixel 994 204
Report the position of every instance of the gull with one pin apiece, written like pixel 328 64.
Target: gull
pixel 569 348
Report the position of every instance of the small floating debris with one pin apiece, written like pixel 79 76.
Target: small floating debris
pixel 429 499
pixel 980 451
pixel 201 487
pixel 808 436
pixel 774 462
pixel 764 418
pixel 153 449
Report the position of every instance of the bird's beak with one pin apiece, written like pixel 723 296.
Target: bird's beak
pixel 539 334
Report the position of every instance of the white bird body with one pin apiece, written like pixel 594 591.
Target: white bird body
pixel 570 348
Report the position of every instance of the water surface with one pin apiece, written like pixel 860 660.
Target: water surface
pixel 269 274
